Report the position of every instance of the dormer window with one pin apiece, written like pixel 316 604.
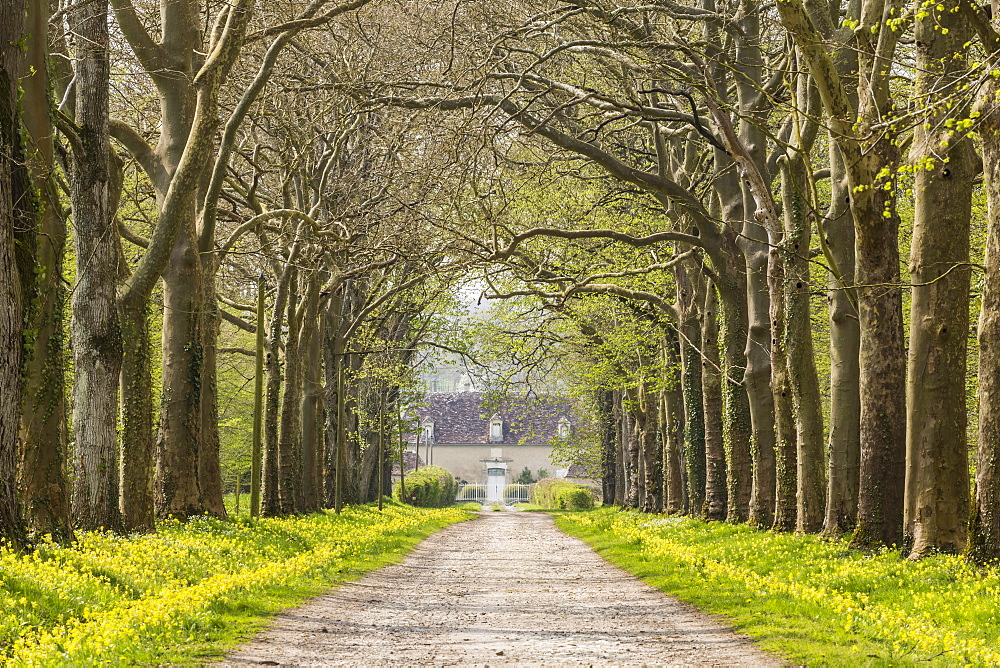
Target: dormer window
pixel 427 431
pixel 564 428
pixel 496 429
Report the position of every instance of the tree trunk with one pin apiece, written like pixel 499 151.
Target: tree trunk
pixel 737 429
pixel 137 479
pixel 311 410
pixel 178 441
pixel 804 384
pixel 672 428
pixel 271 505
pixel 691 300
pixel 882 361
pixel 757 381
pixel 604 405
pixel 330 406
pixel 13 188
pixel 984 526
pixel 694 416
pixel 844 443
pixel 716 502
pixel 652 467
pixel 620 470
pixel 42 471
pixel 936 507
pixel 290 418
pixel 96 329
pixel 632 480
pixel 209 463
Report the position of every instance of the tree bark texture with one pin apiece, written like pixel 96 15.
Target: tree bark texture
pixel 138 463
pixel 716 501
pixel 844 444
pixel 290 416
pixel 604 405
pixel 621 469
pixel 13 189
pixel 647 419
pixel 803 381
pixel 42 477
pixel 936 506
pixel 984 526
pixel 882 364
pixel 737 425
pixel 757 379
pixel 691 302
pixel 95 325
pixel 731 282
pixel 209 463
pixel 271 503
pixel 312 408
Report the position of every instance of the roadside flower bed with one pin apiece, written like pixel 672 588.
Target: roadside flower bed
pixel 939 609
pixel 106 597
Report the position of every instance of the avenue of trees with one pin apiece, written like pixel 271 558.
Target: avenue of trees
pixel 759 240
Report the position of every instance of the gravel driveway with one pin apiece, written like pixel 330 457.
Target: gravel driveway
pixel 505 588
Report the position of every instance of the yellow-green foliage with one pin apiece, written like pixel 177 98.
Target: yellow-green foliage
pixel 817 602
pixel 555 494
pixel 126 600
pixel 428 487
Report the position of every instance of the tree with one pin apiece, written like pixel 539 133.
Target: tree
pixel 44 450
pixel 13 216
pixel 937 468
pixel 96 328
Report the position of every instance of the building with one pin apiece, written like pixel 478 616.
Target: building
pixel 479 443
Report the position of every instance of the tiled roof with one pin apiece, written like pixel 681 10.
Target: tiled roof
pixel 460 417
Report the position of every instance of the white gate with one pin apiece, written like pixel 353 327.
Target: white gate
pixel 496 480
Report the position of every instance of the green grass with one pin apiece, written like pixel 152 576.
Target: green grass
pixel 473 506
pixel 528 507
pixel 814 602
pixel 188 592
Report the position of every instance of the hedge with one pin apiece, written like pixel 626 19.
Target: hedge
pixel 428 487
pixel 556 494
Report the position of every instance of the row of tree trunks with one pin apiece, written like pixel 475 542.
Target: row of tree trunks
pixel 871 160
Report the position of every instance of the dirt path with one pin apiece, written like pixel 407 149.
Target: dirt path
pixel 506 588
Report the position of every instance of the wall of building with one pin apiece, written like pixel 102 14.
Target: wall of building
pixel 464 460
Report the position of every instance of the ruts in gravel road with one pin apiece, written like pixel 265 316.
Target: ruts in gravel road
pixel 507 588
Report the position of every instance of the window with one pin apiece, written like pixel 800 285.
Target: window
pixel 564 428
pixel 427 435
pixel 496 472
pixel 496 429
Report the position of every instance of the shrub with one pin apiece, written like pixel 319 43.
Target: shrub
pixel 556 494
pixel 428 487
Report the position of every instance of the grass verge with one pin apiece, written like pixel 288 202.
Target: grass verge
pixel 814 602
pixel 184 594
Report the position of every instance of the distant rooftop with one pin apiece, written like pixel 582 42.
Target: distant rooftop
pixel 461 418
